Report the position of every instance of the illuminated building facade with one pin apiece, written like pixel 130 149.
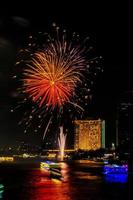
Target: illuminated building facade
pixel 89 134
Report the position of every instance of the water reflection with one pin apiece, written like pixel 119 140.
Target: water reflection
pixel 1 190
pixel 86 175
pixel 116 178
pixel 80 182
pixel 72 187
pixel 42 187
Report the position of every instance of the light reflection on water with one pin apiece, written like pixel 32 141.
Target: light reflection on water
pixel 44 188
pixel 79 183
pixel 1 190
pixel 116 178
pixel 86 175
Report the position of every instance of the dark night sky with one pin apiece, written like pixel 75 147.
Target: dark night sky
pixel 108 24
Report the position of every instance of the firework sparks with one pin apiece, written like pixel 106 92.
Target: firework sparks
pixel 56 79
pixel 53 74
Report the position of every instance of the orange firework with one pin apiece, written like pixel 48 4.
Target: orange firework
pixel 54 73
pixel 59 71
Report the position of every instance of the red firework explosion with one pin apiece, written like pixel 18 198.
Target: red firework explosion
pixel 54 73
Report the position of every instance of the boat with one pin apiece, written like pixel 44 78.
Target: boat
pixel 49 165
pixel 53 168
pixel 115 169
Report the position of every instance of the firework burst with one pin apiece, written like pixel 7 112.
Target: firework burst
pixel 56 77
pixel 54 73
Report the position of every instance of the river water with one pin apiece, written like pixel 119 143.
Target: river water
pixel 81 181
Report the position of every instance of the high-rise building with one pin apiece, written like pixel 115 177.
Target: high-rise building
pixel 89 134
pixel 124 128
pixel 124 115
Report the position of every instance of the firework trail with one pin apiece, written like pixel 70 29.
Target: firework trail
pixel 47 128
